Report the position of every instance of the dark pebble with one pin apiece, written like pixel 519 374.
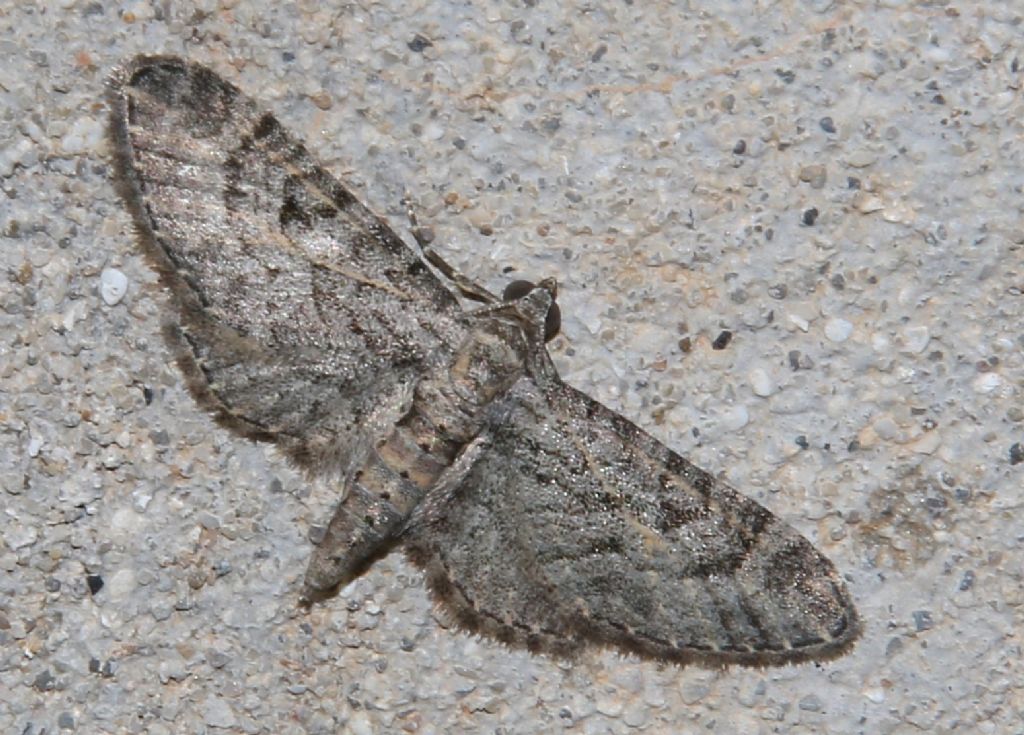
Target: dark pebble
pixel 967 581
pixel 923 620
pixel 722 340
pixel 44 681
pixel 418 43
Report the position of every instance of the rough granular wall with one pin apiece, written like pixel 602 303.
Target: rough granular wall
pixel 836 188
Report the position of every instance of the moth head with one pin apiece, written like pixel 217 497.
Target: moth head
pixel 522 289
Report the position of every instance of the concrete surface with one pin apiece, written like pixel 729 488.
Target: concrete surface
pixel 837 184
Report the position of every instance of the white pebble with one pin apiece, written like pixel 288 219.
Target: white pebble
pixel 84 136
pixel 124 523
pixel 34 445
pixel 17 536
pixel 636 716
pixel 761 383
pixel 74 313
pixel 802 324
pixel 886 427
pixel 14 154
pixel 927 443
pixel 609 705
pixel 915 339
pixel 1004 100
pixel 590 316
pixel 875 695
pixel 861 158
pixel 735 418
pixel 987 383
pixel 113 285
pixel 867 203
pixel 141 498
pixel 121 584
pixel 838 330
pixel 217 713
pixel 433 131
pixel 359 724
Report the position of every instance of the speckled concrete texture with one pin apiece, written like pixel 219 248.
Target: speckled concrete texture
pixel 837 185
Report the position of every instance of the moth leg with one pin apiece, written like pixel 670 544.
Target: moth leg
pixel 435 502
pixel 423 236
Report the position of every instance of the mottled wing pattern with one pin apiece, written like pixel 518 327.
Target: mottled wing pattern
pixel 575 527
pixel 300 312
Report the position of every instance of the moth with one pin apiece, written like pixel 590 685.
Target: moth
pixel 540 518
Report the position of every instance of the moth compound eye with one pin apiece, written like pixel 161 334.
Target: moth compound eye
pixel 517 290
pixel 552 322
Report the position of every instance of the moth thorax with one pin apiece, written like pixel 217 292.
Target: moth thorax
pixel 490 360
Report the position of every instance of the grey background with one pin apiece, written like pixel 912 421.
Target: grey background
pixel 598 144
